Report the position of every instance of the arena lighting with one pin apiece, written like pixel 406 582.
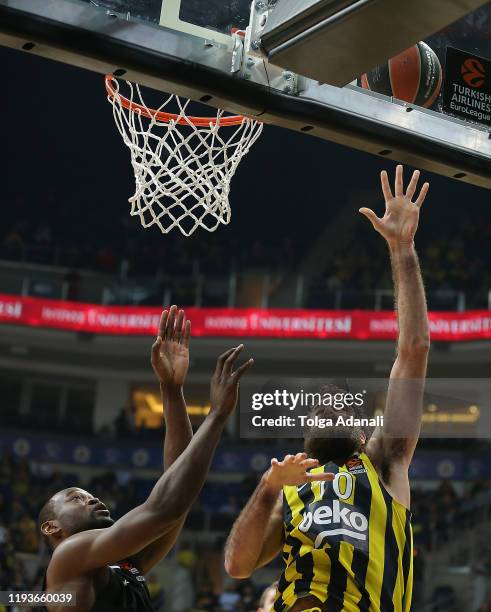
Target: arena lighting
pixel 198 410
pixel 154 403
pixel 471 415
pixel 434 414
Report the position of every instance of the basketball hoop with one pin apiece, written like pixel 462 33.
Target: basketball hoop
pixel 183 165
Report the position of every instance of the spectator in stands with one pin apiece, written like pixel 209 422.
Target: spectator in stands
pixel 247 595
pixel 229 599
pixel 157 594
pixel 206 600
pixel 122 425
pixel 27 533
pixel 182 591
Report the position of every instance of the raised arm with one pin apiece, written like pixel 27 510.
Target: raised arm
pixel 402 418
pixel 170 362
pixel 170 499
pixel 260 524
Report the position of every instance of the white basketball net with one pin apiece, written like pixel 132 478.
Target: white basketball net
pixel 182 171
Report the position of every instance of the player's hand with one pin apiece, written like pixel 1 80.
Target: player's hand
pixel 292 471
pixel 224 388
pixel 400 221
pixel 170 352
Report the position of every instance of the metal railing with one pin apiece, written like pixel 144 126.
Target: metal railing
pixel 233 289
pixel 383 299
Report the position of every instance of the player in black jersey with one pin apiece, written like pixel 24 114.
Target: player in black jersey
pixel 340 511
pixel 102 561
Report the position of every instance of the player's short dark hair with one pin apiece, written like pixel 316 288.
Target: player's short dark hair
pixel 47 513
pixel 315 441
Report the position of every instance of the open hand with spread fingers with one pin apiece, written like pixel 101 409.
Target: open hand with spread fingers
pixel 224 388
pixel 170 352
pixel 292 471
pixel 400 221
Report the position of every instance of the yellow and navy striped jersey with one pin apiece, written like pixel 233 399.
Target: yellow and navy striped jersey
pixel 347 542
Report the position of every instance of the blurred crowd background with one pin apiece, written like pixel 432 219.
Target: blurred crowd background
pixel 38 235
pixel 442 514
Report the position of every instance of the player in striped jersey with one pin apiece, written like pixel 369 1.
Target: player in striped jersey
pixel 340 511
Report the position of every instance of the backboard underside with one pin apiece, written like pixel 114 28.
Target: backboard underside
pixel 186 47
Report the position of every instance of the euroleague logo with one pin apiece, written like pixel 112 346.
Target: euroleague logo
pixel 473 72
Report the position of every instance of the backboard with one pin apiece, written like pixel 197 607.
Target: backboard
pixel 297 66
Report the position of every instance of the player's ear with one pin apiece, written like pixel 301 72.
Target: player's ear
pixel 50 528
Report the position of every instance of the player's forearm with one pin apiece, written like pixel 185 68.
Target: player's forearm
pixel 246 539
pixel 180 485
pixel 411 306
pixel 178 430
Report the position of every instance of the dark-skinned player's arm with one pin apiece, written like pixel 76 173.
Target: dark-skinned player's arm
pixel 257 535
pixel 171 497
pixel 170 362
pixel 396 442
